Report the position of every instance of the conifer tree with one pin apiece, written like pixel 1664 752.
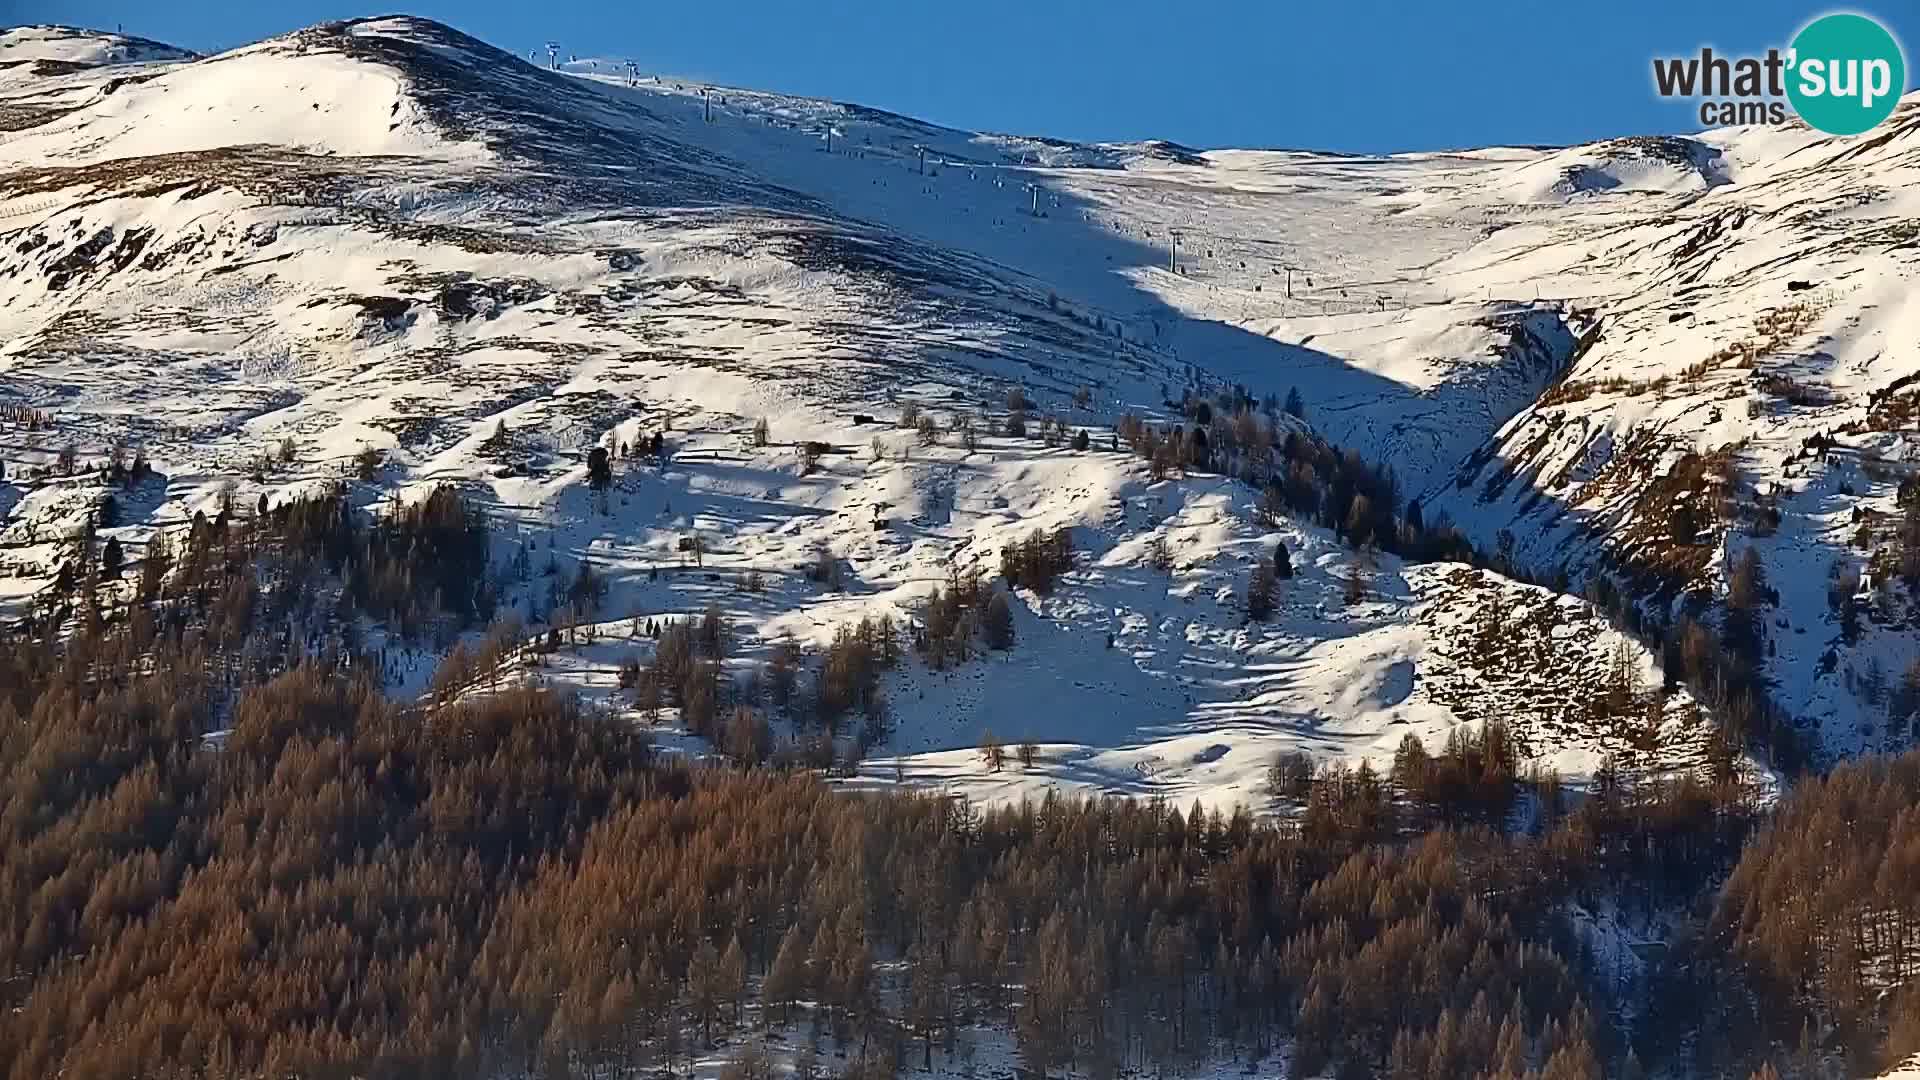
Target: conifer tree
pixel 705 988
pixel 787 976
pixel 997 624
pixel 1260 593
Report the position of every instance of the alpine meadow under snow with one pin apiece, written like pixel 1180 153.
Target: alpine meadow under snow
pixel 976 463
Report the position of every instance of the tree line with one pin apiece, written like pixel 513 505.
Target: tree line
pixel 340 883
pixel 229 854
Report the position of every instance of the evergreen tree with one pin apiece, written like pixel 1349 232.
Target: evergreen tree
pixel 787 977
pixel 706 987
pixel 599 469
pixel 997 625
pixel 1260 592
pixel 733 976
pixel 926 1002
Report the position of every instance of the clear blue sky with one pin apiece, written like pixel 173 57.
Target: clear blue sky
pixel 1370 75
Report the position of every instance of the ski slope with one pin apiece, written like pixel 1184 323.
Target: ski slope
pixel 384 234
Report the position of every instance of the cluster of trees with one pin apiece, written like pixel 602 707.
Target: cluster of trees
pixel 601 457
pixel 420 564
pixel 993 752
pixel 470 886
pixel 1720 655
pixel 304 896
pixel 513 884
pixel 247 595
pixel 484 663
pixel 26 417
pixel 1811 947
pixel 1035 562
pixel 1474 782
pixel 967 608
pixel 825 568
pixel 599 469
pixel 1823 908
pixel 571 602
pixel 1716 646
pixel 965 427
pixel 652 445
pixel 849 680
pixel 127 470
pixel 1724 666
pixel 686 671
pixel 1727 672
pixel 1301 475
pixel 1473 778
pixel 1903 703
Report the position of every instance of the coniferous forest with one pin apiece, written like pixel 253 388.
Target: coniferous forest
pixel 507 884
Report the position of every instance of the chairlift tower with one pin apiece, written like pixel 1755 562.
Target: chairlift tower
pixel 1173 253
pixel 706 104
pixel 1034 189
pixel 553 55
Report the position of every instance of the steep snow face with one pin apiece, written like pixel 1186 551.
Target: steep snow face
pixel 384 234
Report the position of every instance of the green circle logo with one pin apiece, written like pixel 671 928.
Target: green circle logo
pixel 1847 74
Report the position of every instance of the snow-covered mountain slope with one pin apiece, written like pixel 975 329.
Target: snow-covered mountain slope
pixel 384 234
pixel 46 71
pixel 1130 677
pixel 1753 360
pixel 66 45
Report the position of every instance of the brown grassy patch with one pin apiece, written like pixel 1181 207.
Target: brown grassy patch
pixel 1773 330
pixel 1894 412
pixel 1694 487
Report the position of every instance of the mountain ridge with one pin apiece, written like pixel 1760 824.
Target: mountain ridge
pixel 488 248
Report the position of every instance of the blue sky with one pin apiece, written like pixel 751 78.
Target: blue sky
pixel 1367 75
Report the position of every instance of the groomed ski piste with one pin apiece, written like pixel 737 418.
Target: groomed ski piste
pixel 387 235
